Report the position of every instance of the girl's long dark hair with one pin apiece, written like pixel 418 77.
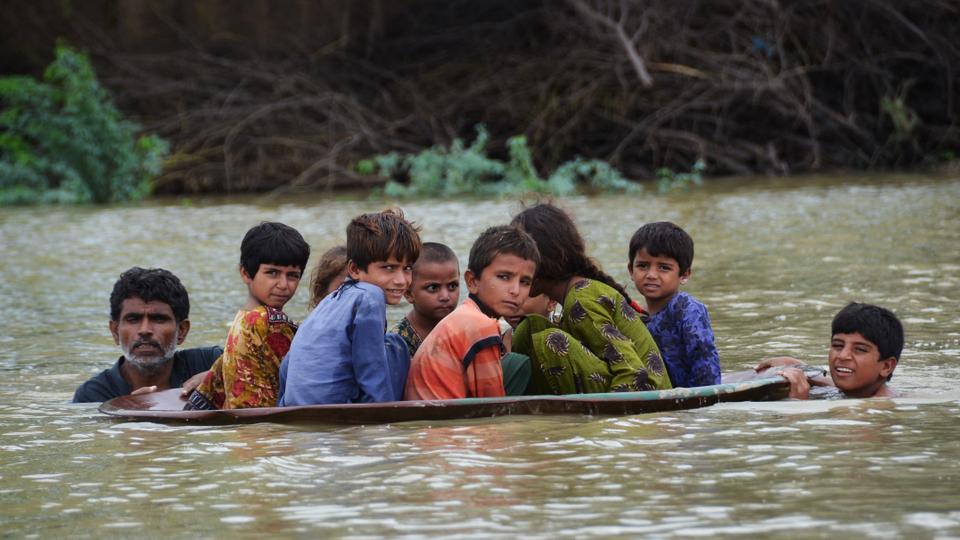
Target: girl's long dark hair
pixel 563 252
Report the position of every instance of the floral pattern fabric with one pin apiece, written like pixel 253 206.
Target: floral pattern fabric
pixel 247 373
pixel 683 333
pixel 600 345
pixel 410 336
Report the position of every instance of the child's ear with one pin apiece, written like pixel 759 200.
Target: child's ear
pixel 247 278
pixel 408 294
pixel 685 276
pixel 889 364
pixel 353 270
pixel 473 281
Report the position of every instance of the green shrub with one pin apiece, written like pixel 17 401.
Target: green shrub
pixel 62 140
pixel 462 169
pixel 670 180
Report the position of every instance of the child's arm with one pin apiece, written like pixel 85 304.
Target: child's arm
pixel 372 367
pixel 629 359
pixel 700 349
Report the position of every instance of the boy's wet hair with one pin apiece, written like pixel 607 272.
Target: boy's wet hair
pixel 563 252
pixel 879 325
pixel 150 285
pixel 663 239
pixel 508 239
pixel 273 243
pixel 330 265
pixel 378 236
pixel 434 252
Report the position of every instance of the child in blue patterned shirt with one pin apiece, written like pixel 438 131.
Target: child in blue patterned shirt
pixel 660 257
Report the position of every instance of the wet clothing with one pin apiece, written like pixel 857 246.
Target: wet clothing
pixel 109 383
pixel 600 345
pixel 341 354
pixel 683 334
pixel 247 375
pixel 406 331
pixel 460 358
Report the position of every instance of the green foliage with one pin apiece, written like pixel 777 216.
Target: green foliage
pixel 669 180
pixel 62 140
pixel 466 169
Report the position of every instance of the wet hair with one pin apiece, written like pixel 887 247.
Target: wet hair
pixel 433 252
pixel 330 265
pixel 879 325
pixel 378 236
pixel 663 239
pixel 273 243
pixel 501 239
pixel 563 252
pixel 150 285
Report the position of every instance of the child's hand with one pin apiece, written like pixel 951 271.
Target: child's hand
pixel 507 338
pixel 799 387
pixel 191 384
pixel 768 363
pixel 143 390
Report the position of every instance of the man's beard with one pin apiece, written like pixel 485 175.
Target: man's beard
pixel 150 365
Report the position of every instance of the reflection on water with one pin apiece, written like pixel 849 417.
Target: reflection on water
pixel 774 261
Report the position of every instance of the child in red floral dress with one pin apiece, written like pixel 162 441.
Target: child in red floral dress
pixel 272 259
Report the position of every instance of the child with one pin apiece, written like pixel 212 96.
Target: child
pixel 340 354
pixel 329 274
pixel 272 259
pixel 434 293
pixel 864 351
pixel 601 344
pixel 462 355
pixel 540 304
pixel 660 258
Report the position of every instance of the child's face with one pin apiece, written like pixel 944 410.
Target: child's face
pixel 273 285
pixel 391 275
pixel 656 278
pixel 540 304
pixel 435 289
pixel 504 284
pixel 336 282
pixel 855 364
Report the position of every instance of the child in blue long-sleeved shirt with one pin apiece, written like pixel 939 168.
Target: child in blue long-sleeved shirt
pixel 340 354
pixel 660 258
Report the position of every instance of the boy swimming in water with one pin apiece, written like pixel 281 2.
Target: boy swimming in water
pixel 864 351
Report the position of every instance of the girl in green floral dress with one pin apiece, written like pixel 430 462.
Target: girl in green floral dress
pixel 601 343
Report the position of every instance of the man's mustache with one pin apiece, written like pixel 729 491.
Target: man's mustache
pixel 150 342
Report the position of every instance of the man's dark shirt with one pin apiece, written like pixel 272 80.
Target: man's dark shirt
pixel 109 383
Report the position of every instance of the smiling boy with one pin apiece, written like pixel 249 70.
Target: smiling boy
pixel 434 293
pixel 272 259
pixel 661 255
pixel 462 355
pixel 341 354
pixel 865 348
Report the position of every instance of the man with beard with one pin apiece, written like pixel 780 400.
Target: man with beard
pixel 148 319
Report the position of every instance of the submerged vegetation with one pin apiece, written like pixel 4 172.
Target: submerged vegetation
pixel 62 140
pixel 466 169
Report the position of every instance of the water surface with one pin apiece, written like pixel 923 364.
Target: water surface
pixel 774 261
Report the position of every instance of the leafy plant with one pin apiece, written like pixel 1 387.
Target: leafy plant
pixel 466 169
pixel 62 140
pixel 670 180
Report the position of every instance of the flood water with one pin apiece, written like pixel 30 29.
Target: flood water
pixel 775 259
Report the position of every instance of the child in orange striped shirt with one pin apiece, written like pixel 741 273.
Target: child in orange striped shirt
pixel 461 357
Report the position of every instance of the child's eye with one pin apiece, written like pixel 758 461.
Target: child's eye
pixel 389 267
pixel 453 286
pixel 665 268
pixel 526 282
pixel 433 288
pixel 408 268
